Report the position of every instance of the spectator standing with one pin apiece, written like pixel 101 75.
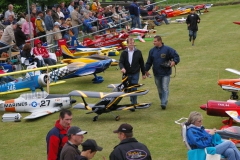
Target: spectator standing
pixel 58 35
pixel 59 12
pixel 33 19
pixel 48 20
pixel 128 145
pixel 130 63
pixel 96 6
pixel 7 37
pixel 57 136
pixel 71 7
pixel 158 56
pixel 75 138
pixel 75 21
pixel 55 15
pixel 89 149
pixel 9 12
pixel 20 37
pixel 134 11
pixel 40 26
pixel 65 11
pixel 25 27
pixel 192 22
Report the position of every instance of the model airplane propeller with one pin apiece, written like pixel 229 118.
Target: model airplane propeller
pixel 38 104
pixel 231 85
pixel 109 101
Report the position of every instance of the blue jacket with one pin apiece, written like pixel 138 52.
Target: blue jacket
pixel 48 20
pixel 87 23
pixel 197 137
pixel 134 9
pixel 158 55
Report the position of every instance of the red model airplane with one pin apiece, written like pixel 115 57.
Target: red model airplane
pixel 231 85
pixel 237 23
pixel 106 41
pixel 230 108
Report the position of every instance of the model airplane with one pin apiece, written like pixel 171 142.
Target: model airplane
pixel 69 57
pixel 237 22
pixel 181 20
pixel 110 40
pixel 38 104
pixel 231 85
pixel 109 101
pixel 230 108
pixel 78 69
pixel 31 81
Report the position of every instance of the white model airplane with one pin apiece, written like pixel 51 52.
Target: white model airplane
pixel 38 104
pixel 181 20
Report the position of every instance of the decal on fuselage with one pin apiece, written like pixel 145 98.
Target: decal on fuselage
pixel 34 104
pixel 15 104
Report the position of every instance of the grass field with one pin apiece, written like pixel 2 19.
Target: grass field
pixel 216 48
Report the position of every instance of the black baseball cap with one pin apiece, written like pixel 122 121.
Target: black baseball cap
pixel 91 144
pixel 192 9
pixel 75 131
pixel 125 128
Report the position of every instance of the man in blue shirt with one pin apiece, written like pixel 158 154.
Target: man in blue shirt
pixel 134 11
pixel 162 58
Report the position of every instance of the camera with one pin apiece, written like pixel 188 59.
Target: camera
pixel 166 64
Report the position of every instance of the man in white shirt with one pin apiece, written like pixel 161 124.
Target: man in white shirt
pixel 131 62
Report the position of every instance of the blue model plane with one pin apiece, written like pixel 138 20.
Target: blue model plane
pixel 31 81
pixel 78 69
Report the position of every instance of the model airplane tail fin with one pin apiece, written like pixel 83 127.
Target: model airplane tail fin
pixel 66 52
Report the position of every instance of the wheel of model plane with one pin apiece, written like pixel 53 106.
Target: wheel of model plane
pixel 95 118
pixel 234 96
pixel 117 118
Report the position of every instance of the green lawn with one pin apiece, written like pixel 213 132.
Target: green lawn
pixel 216 48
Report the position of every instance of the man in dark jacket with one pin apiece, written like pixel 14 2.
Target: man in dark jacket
pixel 130 63
pixel 129 147
pixel 192 20
pixel 75 138
pixel 57 136
pixel 162 58
pixel 134 11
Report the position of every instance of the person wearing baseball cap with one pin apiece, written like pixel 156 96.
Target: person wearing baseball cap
pixel 75 138
pixel 89 149
pixel 129 147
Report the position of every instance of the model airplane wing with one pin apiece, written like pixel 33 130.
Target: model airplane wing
pixel 31 70
pixel 42 112
pixel 234 115
pixel 90 94
pixel 233 71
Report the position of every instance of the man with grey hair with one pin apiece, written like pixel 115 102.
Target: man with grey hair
pixel 75 138
pixel 9 12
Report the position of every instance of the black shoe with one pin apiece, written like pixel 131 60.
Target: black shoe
pixel 163 107
pixel 132 109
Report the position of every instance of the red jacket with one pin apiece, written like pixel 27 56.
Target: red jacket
pixel 42 51
pixel 56 139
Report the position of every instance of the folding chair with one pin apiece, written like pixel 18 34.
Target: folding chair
pixel 182 123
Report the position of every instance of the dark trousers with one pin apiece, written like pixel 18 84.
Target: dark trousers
pixel 43 39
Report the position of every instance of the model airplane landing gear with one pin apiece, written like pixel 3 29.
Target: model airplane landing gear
pixel 95 118
pixel 117 118
pixel 234 96
pixel 97 79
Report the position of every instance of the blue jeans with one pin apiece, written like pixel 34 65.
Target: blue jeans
pixel 3 50
pixel 228 150
pixel 134 21
pixel 75 31
pixel 193 34
pixel 133 79
pixel 139 22
pixel 162 84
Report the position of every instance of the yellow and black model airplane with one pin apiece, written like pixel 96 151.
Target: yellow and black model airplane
pixel 109 100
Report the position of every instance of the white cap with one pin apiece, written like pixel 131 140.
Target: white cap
pixel 57 23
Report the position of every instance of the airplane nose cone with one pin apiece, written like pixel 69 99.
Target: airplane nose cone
pixel 203 107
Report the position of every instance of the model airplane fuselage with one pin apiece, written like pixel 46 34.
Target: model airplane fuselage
pixel 38 104
pixel 230 108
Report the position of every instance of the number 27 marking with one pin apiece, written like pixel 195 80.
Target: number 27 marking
pixel 45 103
